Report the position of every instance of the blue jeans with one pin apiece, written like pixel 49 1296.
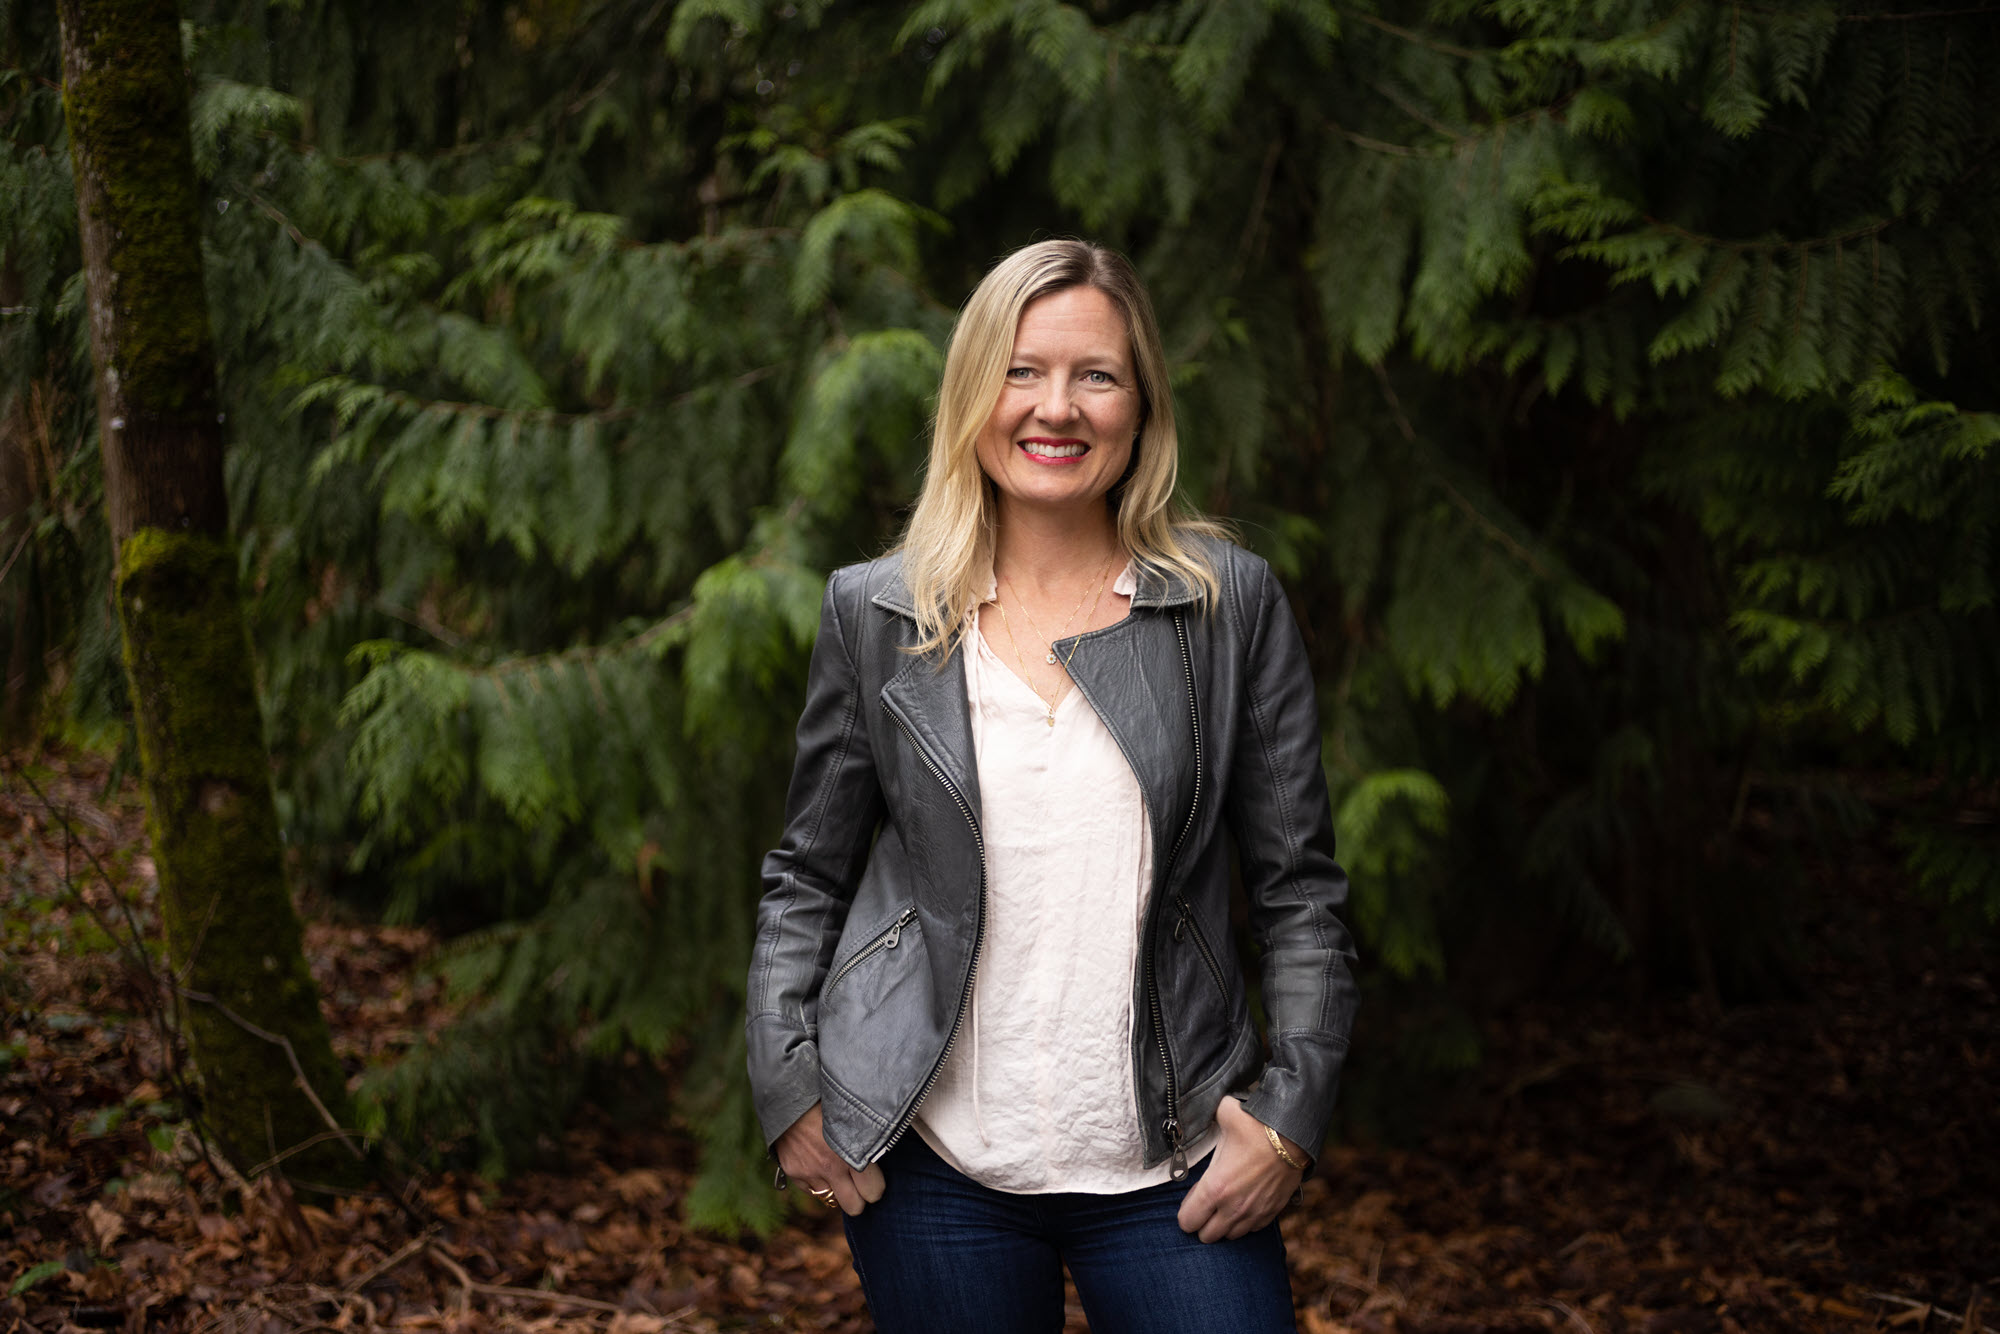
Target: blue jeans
pixel 941 1254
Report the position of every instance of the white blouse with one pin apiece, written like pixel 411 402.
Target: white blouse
pixel 1037 1095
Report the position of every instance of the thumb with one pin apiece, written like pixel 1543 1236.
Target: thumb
pixel 870 1182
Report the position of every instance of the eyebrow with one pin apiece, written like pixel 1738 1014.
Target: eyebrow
pixel 1018 358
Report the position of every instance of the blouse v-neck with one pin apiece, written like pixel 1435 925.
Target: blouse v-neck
pixel 1126 585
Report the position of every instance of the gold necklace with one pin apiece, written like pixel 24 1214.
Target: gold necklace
pixel 1064 663
pixel 1050 657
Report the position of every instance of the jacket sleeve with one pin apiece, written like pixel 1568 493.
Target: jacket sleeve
pixel 1279 815
pixel 831 813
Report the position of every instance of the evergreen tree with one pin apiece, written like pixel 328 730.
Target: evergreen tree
pixel 252 1017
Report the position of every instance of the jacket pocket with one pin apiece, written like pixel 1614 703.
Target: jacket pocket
pixel 1189 929
pixel 888 939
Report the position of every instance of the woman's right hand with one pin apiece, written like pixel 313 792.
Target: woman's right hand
pixel 810 1162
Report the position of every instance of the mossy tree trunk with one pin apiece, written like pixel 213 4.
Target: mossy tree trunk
pixel 231 930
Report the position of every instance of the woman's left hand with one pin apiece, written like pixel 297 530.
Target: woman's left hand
pixel 1246 1183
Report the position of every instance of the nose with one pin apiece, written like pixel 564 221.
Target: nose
pixel 1058 403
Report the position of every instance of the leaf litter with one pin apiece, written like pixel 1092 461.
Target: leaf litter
pixel 1830 1162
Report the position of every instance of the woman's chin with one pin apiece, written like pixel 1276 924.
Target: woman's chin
pixel 1078 500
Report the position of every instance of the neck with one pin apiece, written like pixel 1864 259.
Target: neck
pixel 1040 549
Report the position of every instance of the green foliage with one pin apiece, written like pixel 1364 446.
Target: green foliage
pixel 1382 851
pixel 1611 385
pixel 1961 866
pixel 34 1274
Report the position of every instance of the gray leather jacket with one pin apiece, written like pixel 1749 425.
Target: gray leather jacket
pixel 870 925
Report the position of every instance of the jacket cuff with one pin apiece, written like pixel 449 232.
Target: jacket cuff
pixel 1294 1094
pixel 786 1063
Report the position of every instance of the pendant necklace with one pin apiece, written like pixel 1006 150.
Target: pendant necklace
pixel 1050 657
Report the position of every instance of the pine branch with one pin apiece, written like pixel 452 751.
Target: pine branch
pixel 1416 38
pixel 1374 145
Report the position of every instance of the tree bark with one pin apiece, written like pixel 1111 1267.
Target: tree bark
pixel 252 1018
pixel 20 683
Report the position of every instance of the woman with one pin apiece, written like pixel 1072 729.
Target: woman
pixel 1000 914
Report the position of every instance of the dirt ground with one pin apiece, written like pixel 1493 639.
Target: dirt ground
pixel 1826 1163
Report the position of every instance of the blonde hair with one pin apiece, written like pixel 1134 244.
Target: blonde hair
pixel 950 535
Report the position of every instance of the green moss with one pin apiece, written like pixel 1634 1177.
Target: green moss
pixel 230 925
pixel 128 105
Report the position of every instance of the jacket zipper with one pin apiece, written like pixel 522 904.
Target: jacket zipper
pixel 1193 931
pixel 1172 1123
pixel 888 940
pixel 978 938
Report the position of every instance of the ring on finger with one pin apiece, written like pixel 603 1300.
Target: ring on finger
pixel 825 1196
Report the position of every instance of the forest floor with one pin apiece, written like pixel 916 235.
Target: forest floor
pixel 1823 1163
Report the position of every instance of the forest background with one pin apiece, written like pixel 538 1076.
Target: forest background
pixel 1611 384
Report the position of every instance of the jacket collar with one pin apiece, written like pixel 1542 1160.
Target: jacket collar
pixel 1157 589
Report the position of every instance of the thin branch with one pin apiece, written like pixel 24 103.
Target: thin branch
pixel 354 1289
pixel 1416 113
pixel 528 1294
pixel 1498 535
pixel 341 1299
pixel 186 970
pixel 1374 145
pixel 417 620
pixel 1258 200
pixel 1256 214
pixel 1917 14
pixel 488 412
pixel 319 1137
pixel 272 211
pixel 97 864
pixel 583 653
pixel 1963 1319
pixel 278 1040
pixel 1569 1313
pixel 139 969
pixel 1419 39
pixel 150 991
pixel 1493 530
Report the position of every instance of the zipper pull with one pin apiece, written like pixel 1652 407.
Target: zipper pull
pixel 1180 927
pixel 1173 1128
pixel 896 931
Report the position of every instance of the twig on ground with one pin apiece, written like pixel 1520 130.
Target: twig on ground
pixel 340 1299
pixel 457 1271
pixel 528 1294
pixel 1968 1320
pixel 354 1288
pixel 1569 1313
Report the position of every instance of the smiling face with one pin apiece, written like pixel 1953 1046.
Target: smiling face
pixel 1062 432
